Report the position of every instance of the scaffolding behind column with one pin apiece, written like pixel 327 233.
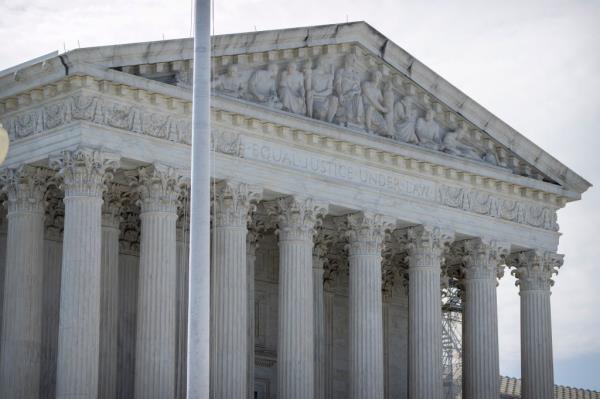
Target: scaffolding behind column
pixel 452 341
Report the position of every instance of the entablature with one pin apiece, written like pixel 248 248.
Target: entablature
pixel 244 130
pixel 146 112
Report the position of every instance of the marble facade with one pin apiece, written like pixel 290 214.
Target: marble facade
pixel 351 184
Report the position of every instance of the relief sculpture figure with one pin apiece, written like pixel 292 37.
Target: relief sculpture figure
pixel 321 103
pixel 406 131
pixel 389 101
pixel 374 104
pixel 231 83
pixel 291 90
pixel 428 131
pixel 455 144
pixel 348 90
pixel 262 86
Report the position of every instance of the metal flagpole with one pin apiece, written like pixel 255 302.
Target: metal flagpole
pixel 199 265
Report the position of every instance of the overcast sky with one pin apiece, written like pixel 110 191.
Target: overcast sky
pixel 535 64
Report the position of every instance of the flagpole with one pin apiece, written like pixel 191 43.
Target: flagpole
pixel 198 349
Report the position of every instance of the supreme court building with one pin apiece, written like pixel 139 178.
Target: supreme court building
pixel 352 185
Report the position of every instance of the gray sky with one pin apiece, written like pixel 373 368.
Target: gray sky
pixel 534 64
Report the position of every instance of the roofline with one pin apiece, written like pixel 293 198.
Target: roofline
pixel 360 33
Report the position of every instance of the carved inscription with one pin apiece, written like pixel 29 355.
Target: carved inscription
pixel 469 200
pixel 337 169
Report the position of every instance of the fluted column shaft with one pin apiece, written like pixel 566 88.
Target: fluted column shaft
pixel 230 343
pixel 83 171
pixel 109 296
pixel 386 346
pixel 155 336
pixel 183 255
pixel 425 312
pixel 251 246
pixel 534 271
pixel 319 326
pixel 365 306
pixel 22 320
pixel 229 373
pixel 328 351
pixel 481 366
pixel 295 348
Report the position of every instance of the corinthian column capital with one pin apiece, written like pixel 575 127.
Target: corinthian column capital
pixel 427 244
pixel 158 187
pixel 25 188
pixel 112 205
pixel 84 170
pixel 483 257
pixel 534 269
pixel 297 217
pixel 255 233
pixel 366 232
pixel 233 203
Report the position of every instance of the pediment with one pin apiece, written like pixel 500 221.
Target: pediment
pixel 347 86
pixel 349 76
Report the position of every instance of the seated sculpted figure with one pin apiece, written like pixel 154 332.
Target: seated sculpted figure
pixel 348 91
pixel 321 102
pixel 428 131
pixel 291 90
pixel 262 86
pixel 230 83
pixel 454 143
pixel 406 130
pixel 374 104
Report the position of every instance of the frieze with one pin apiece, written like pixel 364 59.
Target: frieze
pixel 487 204
pixel 101 111
pixel 227 142
pixel 136 119
pixel 466 199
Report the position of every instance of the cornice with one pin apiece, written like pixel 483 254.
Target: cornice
pixel 20 84
pixel 174 100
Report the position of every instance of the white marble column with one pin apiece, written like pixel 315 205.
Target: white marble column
pixel 84 173
pixel 183 256
pixel 295 345
pixel 328 355
pixel 425 248
pixel 365 236
pixel 109 294
pixel 319 252
pixel 252 239
pixel 534 270
pixel 158 187
pixel 481 365
pixel 386 344
pixel 229 348
pixel 22 314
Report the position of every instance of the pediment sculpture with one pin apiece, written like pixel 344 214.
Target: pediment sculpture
pixel 342 90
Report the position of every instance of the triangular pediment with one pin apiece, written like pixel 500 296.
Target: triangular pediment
pixel 348 86
pixel 347 75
